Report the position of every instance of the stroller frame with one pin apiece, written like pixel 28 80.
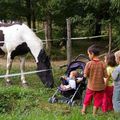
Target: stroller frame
pixel 71 100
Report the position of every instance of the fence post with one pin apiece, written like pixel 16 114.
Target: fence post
pixel 68 40
pixel 110 37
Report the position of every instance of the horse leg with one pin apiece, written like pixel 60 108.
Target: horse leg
pixel 22 68
pixel 9 65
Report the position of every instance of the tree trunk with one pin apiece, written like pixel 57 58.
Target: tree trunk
pixel 48 34
pixel 69 49
pixel 28 16
pixel 34 21
pixel 97 27
pixel 110 37
pixel 64 41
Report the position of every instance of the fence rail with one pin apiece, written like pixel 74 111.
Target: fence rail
pixel 25 73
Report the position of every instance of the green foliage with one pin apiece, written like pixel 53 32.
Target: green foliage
pixel 117 39
pixel 116 4
pixel 12 10
pixel 88 16
pixel 58 53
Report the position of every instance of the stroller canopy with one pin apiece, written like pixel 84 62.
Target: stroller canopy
pixel 74 66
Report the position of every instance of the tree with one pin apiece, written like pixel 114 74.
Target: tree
pixel 12 10
pixel 115 19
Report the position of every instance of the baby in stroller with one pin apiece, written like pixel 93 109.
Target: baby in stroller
pixel 72 84
pixel 69 83
pixel 70 88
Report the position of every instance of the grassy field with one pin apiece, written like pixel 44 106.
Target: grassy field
pixel 18 103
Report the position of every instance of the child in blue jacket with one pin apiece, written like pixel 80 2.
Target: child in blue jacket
pixel 116 77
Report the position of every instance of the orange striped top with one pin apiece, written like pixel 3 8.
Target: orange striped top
pixel 95 71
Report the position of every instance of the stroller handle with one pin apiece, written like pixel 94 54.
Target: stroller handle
pixel 77 58
pixel 82 56
pixel 62 66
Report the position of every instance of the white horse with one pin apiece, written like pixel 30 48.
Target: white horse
pixel 17 40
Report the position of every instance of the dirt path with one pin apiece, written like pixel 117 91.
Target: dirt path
pixel 29 62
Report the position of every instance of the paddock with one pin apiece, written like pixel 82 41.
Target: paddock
pixel 29 71
pixel 32 102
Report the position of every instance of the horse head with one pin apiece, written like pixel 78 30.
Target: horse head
pixel 46 75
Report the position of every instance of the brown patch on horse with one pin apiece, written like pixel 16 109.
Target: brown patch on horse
pixel 1 38
pixel 9 24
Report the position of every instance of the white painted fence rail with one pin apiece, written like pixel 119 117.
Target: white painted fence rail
pixel 77 38
pixel 25 73
pixel 91 37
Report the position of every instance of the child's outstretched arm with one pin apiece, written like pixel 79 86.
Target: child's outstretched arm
pixel 86 70
pixel 106 80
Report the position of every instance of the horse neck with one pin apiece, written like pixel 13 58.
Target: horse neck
pixel 34 43
pixel 35 51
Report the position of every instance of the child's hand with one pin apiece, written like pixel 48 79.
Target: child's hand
pixel 64 77
pixel 62 87
pixel 79 79
pixel 105 81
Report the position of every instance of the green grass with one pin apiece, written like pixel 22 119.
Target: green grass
pixel 32 103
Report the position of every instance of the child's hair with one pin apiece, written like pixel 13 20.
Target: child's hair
pixel 94 49
pixel 117 55
pixel 74 73
pixel 111 60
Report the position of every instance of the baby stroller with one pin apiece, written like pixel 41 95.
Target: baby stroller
pixel 72 96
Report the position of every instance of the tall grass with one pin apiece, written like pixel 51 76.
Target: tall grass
pixel 32 103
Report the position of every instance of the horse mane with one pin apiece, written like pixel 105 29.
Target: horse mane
pixel 9 24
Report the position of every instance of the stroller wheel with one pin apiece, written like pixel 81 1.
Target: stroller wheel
pixel 69 103
pixel 52 100
pixel 73 103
